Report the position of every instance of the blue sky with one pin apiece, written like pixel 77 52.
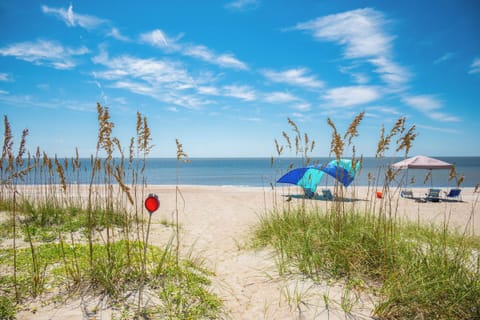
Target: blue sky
pixel 224 76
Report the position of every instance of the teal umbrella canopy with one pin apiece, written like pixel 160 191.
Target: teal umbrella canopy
pixel 309 177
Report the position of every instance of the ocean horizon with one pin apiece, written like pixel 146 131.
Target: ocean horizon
pixel 261 172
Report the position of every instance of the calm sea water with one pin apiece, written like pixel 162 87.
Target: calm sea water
pixel 260 172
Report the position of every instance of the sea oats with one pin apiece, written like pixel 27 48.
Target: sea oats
pixel 21 150
pixel 460 181
pixel 352 130
pixel 61 174
pixel 287 138
pixel 278 148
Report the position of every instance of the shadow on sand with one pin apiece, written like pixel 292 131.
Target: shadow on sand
pixel 318 197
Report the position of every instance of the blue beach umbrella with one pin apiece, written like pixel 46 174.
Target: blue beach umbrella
pixel 342 170
pixel 309 177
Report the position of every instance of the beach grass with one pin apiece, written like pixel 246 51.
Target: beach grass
pixel 411 271
pixel 434 277
pixel 65 239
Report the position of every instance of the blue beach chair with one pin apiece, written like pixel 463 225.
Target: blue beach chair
pixel 453 195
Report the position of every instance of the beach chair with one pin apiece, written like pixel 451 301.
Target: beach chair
pixel 309 194
pixel 453 195
pixel 406 194
pixel 433 195
pixel 327 194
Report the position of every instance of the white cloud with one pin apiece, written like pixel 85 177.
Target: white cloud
pixel 280 97
pixel 357 77
pixel 116 34
pixel 224 60
pixel 72 19
pixel 241 92
pixel 163 80
pixel 361 33
pixel 4 77
pixel 424 103
pixel 359 30
pixel 305 106
pixel 475 66
pixel 430 106
pixel 42 52
pixel 208 90
pixel 445 57
pixel 351 96
pixel 35 102
pixel 158 38
pixel 439 129
pixel 168 73
pixel 383 110
pixel 389 71
pixel 296 77
pixel 242 5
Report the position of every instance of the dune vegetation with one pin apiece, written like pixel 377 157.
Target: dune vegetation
pixel 412 271
pixel 63 239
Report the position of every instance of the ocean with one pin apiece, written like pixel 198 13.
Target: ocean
pixel 259 172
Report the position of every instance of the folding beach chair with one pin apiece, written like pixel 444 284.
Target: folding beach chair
pixel 327 194
pixel 309 194
pixel 453 195
pixel 433 195
pixel 406 194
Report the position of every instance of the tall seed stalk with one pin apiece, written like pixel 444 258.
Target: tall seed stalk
pixel 181 157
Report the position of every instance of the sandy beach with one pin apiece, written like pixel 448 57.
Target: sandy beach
pixel 216 224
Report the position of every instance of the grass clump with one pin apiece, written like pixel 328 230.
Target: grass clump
pixel 182 288
pixel 435 277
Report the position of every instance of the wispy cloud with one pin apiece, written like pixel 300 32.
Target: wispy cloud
pixel 304 106
pixel 5 77
pixel 35 102
pixel 208 90
pixel 475 66
pixel 357 77
pixel 242 92
pixel 383 110
pixel 361 33
pixel 439 129
pixel 351 96
pixel 242 5
pixel 49 53
pixel 149 70
pixel 163 80
pixel 297 77
pixel 225 60
pixel 430 106
pixel 447 56
pixel 280 97
pixel 158 38
pixel 73 19
pixel 116 34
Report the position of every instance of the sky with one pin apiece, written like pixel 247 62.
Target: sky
pixel 224 77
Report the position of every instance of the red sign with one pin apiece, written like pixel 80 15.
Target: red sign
pixel 152 203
